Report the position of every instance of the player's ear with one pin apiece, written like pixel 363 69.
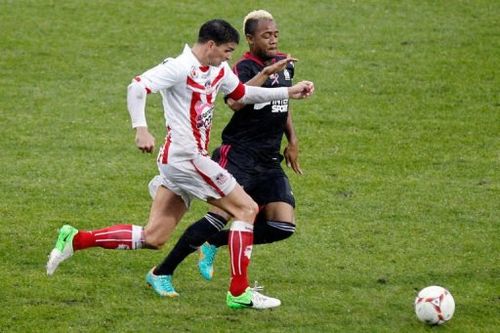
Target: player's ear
pixel 249 39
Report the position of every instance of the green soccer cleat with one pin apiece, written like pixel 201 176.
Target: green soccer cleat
pixel 206 260
pixel 161 284
pixel 63 249
pixel 251 299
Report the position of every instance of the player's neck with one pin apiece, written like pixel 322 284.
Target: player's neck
pixel 200 53
pixel 265 61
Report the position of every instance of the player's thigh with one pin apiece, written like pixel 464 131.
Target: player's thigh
pixel 279 211
pixel 167 210
pixel 237 203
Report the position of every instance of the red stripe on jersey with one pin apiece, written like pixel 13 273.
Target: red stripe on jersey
pixel 207 138
pixel 192 83
pixel 218 77
pixel 195 98
pixel 208 180
pixel 238 92
pixel 224 152
pixel 138 79
pixel 164 157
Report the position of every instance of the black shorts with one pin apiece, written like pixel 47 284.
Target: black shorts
pixel 264 182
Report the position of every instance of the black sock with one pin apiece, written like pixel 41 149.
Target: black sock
pixel 220 238
pixel 264 232
pixel 195 235
pixel 272 231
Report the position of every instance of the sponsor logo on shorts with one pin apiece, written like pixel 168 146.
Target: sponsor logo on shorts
pixel 221 178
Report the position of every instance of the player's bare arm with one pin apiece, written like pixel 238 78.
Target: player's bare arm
pixel 259 79
pixel 291 152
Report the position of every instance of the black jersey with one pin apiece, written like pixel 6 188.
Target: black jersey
pixel 258 128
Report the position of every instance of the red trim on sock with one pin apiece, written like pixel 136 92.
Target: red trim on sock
pixel 114 237
pixel 240 249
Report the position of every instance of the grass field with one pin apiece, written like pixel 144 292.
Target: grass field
pixel 400 148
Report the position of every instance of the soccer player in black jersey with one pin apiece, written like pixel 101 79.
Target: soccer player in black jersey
pixel 250 151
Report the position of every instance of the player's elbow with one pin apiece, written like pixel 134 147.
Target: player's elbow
pixel 137 89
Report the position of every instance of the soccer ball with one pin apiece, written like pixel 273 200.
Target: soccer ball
pixel 434 305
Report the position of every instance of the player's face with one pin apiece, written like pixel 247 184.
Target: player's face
pixel 219 53
pixel 264 42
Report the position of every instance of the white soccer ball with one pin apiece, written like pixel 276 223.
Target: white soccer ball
pixel 434 305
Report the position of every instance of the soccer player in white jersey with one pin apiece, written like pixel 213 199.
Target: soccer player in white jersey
pixel 188 85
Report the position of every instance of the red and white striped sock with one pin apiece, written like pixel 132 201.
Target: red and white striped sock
pixel 240 250
pixel 120 237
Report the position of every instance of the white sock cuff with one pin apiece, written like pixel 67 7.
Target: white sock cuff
pixel 241 226
pixel 137 237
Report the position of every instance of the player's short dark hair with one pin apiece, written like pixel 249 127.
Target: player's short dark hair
pixel 251 26
pixel 220 31
pixel 251 21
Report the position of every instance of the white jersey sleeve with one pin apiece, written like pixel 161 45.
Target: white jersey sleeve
pixel 230 82
pixel 162 76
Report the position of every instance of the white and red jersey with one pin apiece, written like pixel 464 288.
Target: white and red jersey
pixel 188 91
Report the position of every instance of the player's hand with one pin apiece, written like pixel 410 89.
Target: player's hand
pixel 234 105
pixel 301 90
pixel 278 66
pixel 291 154
pixel 144 140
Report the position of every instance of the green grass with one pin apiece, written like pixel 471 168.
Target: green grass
pixel 400 148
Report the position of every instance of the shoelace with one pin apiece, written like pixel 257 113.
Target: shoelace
pixel 256 287
pixel 166 283
pixel 209 255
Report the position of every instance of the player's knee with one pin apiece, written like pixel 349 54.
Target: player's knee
pixel 251 210
pixel 247 212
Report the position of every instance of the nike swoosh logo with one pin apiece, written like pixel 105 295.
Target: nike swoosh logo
pixel 245 304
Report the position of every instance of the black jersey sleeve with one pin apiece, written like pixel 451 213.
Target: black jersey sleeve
pixel 291 69
pixel 246 70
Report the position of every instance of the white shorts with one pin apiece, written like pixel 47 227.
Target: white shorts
pixel 199 178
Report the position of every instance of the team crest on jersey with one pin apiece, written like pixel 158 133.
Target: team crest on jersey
pixel 287 74
pixel 194 72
